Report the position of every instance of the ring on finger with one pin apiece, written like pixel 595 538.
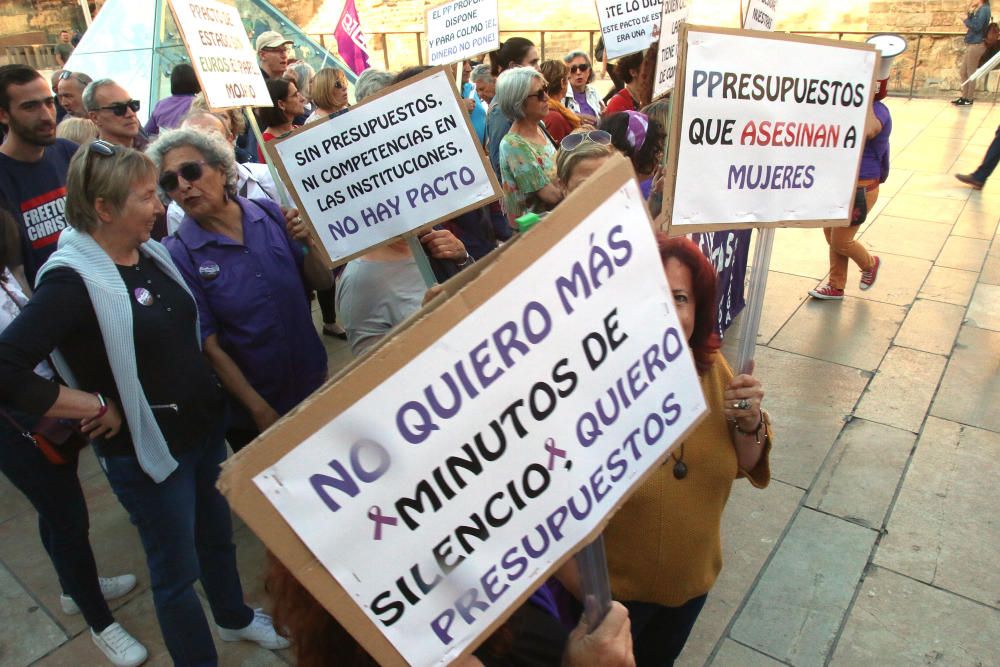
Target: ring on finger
pixel 742 404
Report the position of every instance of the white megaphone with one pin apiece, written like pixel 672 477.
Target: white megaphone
pixel 889 45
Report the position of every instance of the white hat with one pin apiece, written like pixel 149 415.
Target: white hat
pixel 271 40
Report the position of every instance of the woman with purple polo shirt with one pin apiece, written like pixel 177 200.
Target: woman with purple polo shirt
pixel 250 274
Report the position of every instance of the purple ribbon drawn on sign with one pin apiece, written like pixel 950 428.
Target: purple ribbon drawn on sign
pixel 375 514
pixel 550 447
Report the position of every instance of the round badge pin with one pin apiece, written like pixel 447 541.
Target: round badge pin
pixel 209 270
pixel 143 296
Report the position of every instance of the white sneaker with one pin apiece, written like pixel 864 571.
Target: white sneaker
pixel 112 588
pixel 261 630
pixel 121 648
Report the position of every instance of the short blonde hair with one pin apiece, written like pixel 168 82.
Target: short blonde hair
pixel 568 161
pixel 94 176
pixel 78 130
pixel 324 84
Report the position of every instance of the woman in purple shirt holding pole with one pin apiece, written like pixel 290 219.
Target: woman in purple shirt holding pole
pixel 250 275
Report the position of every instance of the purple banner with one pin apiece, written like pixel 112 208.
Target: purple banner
pixel 351 41
pixel 728 252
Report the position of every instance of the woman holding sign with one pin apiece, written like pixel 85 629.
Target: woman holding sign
pixel 663 546
pixel 248 271
pixel 527 157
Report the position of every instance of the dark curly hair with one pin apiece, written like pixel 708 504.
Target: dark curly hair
pixel 647 158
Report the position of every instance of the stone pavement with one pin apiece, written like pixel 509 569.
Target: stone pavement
pixel 877 541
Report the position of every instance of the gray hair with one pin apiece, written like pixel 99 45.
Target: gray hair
pixel 303 73
pixel 569 57
pixel 90 93
pixel 371 81
pixel 482 74
pixel 513 87
pixel 213 149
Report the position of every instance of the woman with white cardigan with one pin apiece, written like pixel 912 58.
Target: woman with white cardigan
pixel 122 328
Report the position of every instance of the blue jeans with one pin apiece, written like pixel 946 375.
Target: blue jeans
pixel 187 532
pixel 659 633
pixel 63 523
pixel 990 161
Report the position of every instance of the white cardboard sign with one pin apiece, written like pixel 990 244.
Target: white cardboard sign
pixel 674 12
pixel 398 162
pixel 461 29
pixel 438 499
pixel 771 130
pixel 221 54
pixel 628 25
pixel 761 15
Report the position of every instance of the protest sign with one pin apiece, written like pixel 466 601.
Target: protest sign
pixel 461 29
pixel 769 131
pixel 404 159
pixel 761 15
pixel 223 60
pixel 628 25
pixel 427 491
pixel 674 11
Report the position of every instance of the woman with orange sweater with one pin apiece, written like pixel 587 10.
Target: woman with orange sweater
pixel 664 547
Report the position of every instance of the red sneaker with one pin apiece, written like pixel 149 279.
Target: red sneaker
pixel 827 293
pixel 868 277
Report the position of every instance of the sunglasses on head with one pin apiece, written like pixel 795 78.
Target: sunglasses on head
pixel 83 79
pixel 572 141
pixel 189 171
pixel 121 108
pixel 574 69
pixel 100 148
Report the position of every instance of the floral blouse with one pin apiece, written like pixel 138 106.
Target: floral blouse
pixel 525 168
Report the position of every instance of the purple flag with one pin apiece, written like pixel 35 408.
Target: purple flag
pixel 351 42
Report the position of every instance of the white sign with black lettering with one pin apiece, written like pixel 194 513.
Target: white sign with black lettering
pixel 674 11
pixel 460 29
pixel 628 25
pixel 761 15
pixel 389 166
pixel 224 61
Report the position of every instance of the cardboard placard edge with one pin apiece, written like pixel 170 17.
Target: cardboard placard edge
pixel 236 478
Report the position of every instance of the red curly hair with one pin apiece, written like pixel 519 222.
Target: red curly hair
pixel 704 341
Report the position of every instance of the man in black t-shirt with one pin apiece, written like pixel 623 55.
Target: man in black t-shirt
pixel 33 163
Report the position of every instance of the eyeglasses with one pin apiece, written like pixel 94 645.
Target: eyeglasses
pixel 541 95
pixel 573 141
pixel 100 148
pixel 585 67
pixel 82 78
pixel 120 108
pixel 189 171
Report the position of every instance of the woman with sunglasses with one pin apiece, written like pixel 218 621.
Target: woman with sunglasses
pixel 250 275
pixel 581 154
pixel 119 322
pixel 560 120
pixel 279 120
pixel 527 156
pixel 329 94
pixel 582 98
pixel 514 53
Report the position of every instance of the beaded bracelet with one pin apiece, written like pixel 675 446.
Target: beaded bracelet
pixel 755 433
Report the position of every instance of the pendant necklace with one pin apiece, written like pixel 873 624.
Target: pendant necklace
pixel 680 468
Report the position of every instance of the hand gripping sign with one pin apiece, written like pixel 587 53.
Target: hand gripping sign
pixel 768 130
pixel 402 160
pixel 427 491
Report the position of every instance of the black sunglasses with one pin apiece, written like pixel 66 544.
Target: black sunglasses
pixel 572 141
pixel 100 148
pixel 119 108
pixel 579 68
pixel 82 78
pixel 189 171
pixel 542 95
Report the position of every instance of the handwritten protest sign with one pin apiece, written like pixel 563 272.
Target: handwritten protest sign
pixel 425 493
pixel 761 15
pixel 461 29
pixel 674 12
pixel 223 60
pixel 402 160
pixel 769 132
pixel 628 25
